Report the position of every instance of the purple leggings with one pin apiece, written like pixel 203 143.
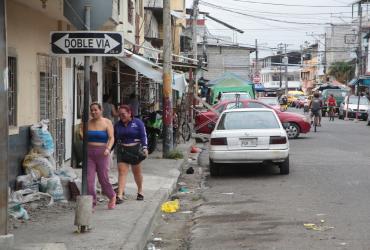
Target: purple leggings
pixel 98 163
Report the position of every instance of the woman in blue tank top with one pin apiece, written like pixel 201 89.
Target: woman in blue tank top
pixel 100 141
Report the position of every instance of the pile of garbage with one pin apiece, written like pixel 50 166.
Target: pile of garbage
pixel 42 179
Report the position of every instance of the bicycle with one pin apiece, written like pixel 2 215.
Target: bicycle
pixel 183 128
pixel 316 118
pixel 331 113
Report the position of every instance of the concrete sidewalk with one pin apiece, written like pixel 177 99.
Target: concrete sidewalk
pixel 126 227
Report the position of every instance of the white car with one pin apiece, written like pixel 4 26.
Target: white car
pixel 252 135
pixel 351 102
pixel 234 95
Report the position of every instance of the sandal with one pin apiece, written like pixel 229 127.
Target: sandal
pixel 140 197
pixel 119 200
pixel 112 203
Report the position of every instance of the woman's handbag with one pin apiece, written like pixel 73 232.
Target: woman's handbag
pixel 132 154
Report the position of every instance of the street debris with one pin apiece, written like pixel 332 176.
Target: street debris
pixel 315 227
pixel 19 212
pixel 195 150
pixel 157 239
pixel 228 193
pixel 184 190
pixel 190 170
pixel 170 206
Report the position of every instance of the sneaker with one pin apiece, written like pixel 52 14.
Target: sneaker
pixel 119 200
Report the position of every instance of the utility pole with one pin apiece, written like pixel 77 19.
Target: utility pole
pixel 204 46
pixel 256 44
pixel 286 61
pixel 84 201
pixel 5 238
pixel 324 60
pixel 359 56
pixel 167 80
pixel 280 50
pixel 195 42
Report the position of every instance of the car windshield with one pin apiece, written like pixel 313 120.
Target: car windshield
pixel 248 120
pixel 231 96
pixel 269 101
pixel 337 93
pixel 354 100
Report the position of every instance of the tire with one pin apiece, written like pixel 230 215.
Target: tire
pixel 292 130
pixel 284 167
pixel 214 169
pixel 185 131
pixel 152 142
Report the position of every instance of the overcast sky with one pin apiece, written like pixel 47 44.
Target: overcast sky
pixel 293 25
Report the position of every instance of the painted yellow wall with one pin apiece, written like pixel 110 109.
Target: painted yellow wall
pixel 29 34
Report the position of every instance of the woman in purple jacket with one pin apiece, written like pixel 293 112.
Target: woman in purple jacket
pixel 131 140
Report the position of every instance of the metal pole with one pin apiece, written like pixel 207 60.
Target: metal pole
pixel 118 82
pixel 86 107
pixel 4 127
pixel 195 42
pixel 73 111
pixel 167 80
pixel 325 54
pixel 84 201
pixel 286 71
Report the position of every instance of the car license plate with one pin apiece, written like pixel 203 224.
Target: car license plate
pixel 248 142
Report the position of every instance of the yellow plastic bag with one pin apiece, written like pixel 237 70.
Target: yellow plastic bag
pixel 170 206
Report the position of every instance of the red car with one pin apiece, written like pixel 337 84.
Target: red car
pixel 204 121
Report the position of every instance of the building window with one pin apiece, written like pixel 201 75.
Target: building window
pixel 12 91
pixel 130 11
pixel 275 78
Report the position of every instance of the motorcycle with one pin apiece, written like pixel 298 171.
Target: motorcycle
pixel 154 127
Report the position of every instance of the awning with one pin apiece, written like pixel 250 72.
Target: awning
pixel 152 70
pixel 362 81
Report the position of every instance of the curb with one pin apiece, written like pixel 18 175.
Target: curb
pixel 144 226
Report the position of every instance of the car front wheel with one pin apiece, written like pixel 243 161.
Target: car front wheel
pixel 292 130
pixel 284 166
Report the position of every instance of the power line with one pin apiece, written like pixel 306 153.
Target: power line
pixel 259 17
pixel 292 5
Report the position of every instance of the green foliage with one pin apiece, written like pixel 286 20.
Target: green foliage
pixel 342 71
pixel 175 154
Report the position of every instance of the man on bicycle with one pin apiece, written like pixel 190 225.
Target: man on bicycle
pixel 332 104
pixel 316 106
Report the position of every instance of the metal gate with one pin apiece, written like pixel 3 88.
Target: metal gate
pixel 51 97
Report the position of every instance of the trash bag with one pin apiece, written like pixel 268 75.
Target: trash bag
pixel 53 186
pixel 18 212
pixel 43 166
pixel 170 206
pixel 66 173
pixel 41 139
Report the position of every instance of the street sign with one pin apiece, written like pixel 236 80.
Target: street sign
pixel 87 43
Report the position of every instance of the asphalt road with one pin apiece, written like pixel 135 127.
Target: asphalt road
pixel 253 207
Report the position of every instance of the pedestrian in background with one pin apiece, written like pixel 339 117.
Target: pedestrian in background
pixel 100 139
pixel 131 141
pixel 109 110
pixel 134 105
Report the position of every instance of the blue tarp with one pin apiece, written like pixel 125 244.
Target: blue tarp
pixel 360 81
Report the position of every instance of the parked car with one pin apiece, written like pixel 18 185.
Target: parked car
pixel 204 121
pixel 368 117
pixel 339 95
pixel 300 102
pixel 233 95
pixel 253 135
pixel 293 95
pixel 271 101
pixel 351 103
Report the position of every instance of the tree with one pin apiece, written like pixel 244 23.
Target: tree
pixel 342 71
